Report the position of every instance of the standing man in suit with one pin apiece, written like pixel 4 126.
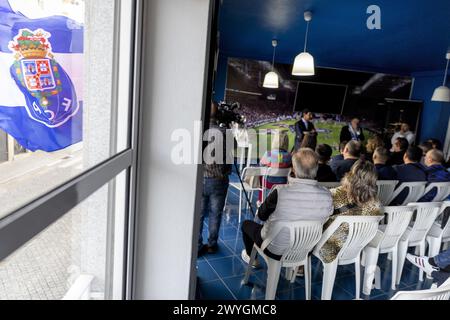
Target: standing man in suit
pixel 304 127
pixel 352 132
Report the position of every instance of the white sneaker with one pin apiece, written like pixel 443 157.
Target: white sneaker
pixel 246 259
pixel 422 263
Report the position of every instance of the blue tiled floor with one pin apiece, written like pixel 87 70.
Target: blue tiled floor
pixel 220 275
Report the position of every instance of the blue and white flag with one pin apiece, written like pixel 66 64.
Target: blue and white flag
pixel 41 78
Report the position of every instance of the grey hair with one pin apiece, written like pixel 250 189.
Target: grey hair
pixel 305 163
pixel 436 155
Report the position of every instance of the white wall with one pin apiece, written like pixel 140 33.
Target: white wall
pixel 3 146
pixel 175 57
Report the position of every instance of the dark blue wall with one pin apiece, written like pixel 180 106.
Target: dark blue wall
pixel 435 115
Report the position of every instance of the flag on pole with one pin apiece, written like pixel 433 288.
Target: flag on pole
pixel 41 80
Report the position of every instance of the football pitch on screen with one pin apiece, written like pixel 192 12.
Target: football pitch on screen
pixel 328 132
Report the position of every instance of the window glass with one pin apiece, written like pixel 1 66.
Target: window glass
pixel 81 252
pixel 59 114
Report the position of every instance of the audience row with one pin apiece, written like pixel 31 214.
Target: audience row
pixel 405 163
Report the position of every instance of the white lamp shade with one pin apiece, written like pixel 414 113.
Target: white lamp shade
pixel 271 80
pixel 441 94
pixel 303 65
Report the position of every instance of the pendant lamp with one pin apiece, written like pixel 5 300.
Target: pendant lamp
pixel 271 80
pixel 304 62
pixel 442 93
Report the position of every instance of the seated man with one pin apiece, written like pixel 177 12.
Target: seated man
pixel 352 153
pixel 436 267
pixel 406 133
pixel 336 159
pixel 385 172
pixel 301 199
pixel 436 172
pixel 400 147
pixel 411 171
pixel 325 174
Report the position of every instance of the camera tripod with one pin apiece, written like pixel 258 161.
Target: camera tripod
pixel 249 203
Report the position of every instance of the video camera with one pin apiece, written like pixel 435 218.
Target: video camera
pixel 228 114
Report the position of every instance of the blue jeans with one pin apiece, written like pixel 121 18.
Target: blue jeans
pixel 440 277
pixel 213 202
pixel 443 260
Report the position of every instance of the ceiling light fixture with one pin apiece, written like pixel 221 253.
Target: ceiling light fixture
pixel 442 93
pixel 304 62
pixel 271 80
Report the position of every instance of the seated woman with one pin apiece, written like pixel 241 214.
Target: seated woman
pixel 357 196
pixel 309 142
pixel 277 157
pixel 373 144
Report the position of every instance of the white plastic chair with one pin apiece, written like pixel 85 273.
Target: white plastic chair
pixel 361 230
pixel 416 191
pixel 441 293
pixel 330 185
pixel 304 235
pixel 386 190
pixel 275 173
pixel 249 172
pixel 438 234
pixel 415 235
pixel 385 241
pixel 442 190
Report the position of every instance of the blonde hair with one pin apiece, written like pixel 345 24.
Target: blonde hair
pixel 374 143
pixel 361 183
pixel 280 140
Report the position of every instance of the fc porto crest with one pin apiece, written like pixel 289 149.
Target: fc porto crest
pixel 38 74
pixel 48 89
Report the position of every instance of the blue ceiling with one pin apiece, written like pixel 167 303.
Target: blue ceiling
pixel 415 34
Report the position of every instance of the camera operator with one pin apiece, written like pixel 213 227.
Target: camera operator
pixel 215 188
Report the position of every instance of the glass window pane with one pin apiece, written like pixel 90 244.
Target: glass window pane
pixel 61 84
pixel 84 247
